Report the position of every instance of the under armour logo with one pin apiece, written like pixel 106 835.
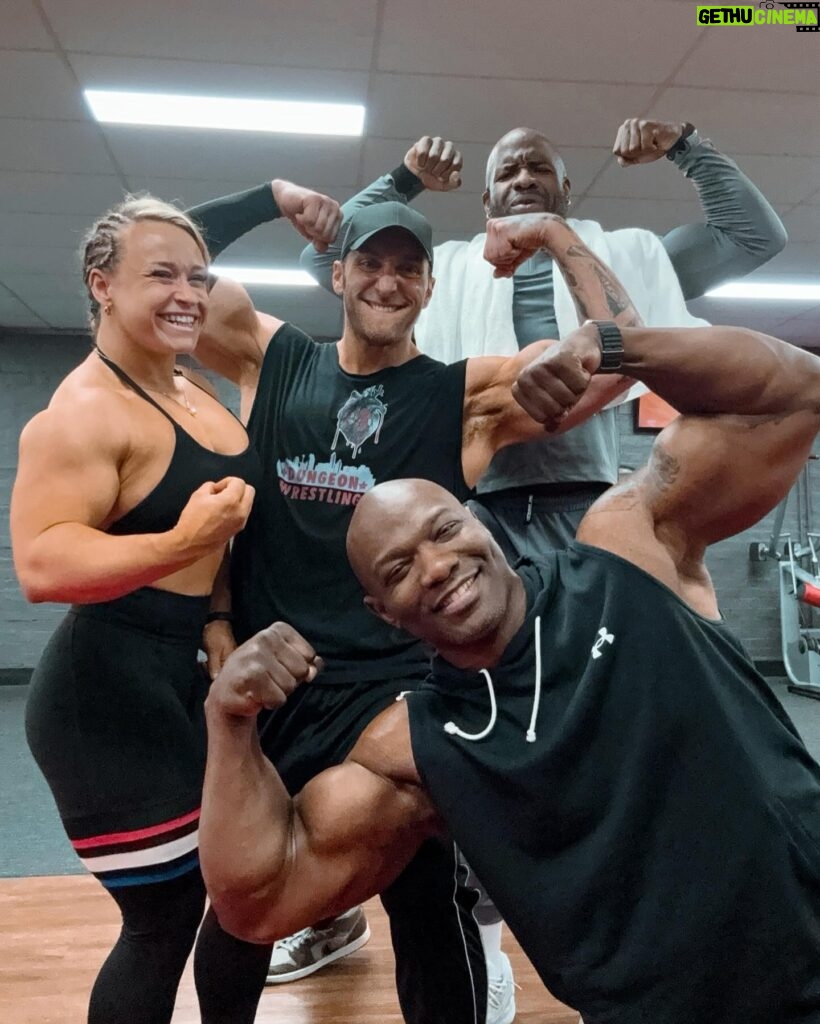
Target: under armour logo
pixel 603 638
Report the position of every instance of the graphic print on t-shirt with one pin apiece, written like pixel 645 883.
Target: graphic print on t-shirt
pixel 361 416
pixel 305 478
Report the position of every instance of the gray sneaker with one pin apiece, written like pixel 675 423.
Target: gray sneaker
pixel 309 950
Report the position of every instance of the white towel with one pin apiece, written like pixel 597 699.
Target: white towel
pixel 470 313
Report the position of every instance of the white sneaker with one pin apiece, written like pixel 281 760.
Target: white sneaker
pixel 501 995
pixel 309 950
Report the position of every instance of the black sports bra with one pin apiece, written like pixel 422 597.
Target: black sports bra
pixel 191 466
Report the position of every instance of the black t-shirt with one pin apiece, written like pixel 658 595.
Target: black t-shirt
pixel 325 437
pixel 655 847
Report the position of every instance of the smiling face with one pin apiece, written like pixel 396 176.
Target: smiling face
pixel 429 567
pixel 525 174
pixel 158 290
pixel 384 286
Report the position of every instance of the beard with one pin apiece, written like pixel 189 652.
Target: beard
pixel 370 328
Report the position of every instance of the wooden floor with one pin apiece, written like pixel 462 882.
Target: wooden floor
pixel 57 931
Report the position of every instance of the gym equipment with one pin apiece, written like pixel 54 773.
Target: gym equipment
pixel 798 572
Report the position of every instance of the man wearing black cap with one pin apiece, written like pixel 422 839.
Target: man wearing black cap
pixel 330 422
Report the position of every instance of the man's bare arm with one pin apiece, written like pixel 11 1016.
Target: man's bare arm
pixel 274 864
pixel 751 410
pixel 492 418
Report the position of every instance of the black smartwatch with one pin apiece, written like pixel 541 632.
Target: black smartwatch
pixel 612 346
pixel 680 144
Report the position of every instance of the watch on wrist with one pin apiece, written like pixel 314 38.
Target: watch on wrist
pixel 680 145
pixel 612 346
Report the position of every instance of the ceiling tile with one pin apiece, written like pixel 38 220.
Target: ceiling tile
pixel 13 313
pixel 798 259
pixel 33 288
pixel 658 180
pixel 746 121
pixel 155 153
pixel 27 192
pixel 803 225
pixel 62 230
pixel 58 299
pixel 22 27
pixel 62 313
pixel 533 39
pixel 331 33
pixel 37 259
pixel 760 316
pixel 60 146
pixel 38 85
pixel 655 214
pixel 216 77
pixel 477 110
pixel 741 58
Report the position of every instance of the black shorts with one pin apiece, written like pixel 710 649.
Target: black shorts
pixel 115 720
pixel 319 725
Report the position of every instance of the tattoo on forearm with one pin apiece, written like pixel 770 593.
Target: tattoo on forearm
pixel 617 300
pixel 580 305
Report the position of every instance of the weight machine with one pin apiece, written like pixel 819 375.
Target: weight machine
pixel 798 571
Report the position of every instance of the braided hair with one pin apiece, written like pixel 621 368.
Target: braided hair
pixel 102 249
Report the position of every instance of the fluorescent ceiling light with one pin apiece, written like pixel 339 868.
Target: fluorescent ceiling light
pixel 219 112
pixel 766 290
pixel 266 275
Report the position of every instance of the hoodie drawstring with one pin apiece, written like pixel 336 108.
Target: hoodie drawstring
pixel 453 730
pixel 536 700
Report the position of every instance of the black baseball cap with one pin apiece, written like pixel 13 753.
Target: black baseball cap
pixel 370 220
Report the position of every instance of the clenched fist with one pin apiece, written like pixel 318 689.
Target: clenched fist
pixel 640 141
pixel 264 672
pixel 315 216
pixel 554 382
pixel 214 513
pixel 436 162
pixel 512 240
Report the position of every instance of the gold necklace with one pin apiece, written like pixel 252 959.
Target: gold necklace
pixel 172 398
pixel 191 409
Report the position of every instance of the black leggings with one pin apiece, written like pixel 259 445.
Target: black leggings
pixel 138 982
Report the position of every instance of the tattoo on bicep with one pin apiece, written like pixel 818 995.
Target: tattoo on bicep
pixel 764 420
pixel 665 468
